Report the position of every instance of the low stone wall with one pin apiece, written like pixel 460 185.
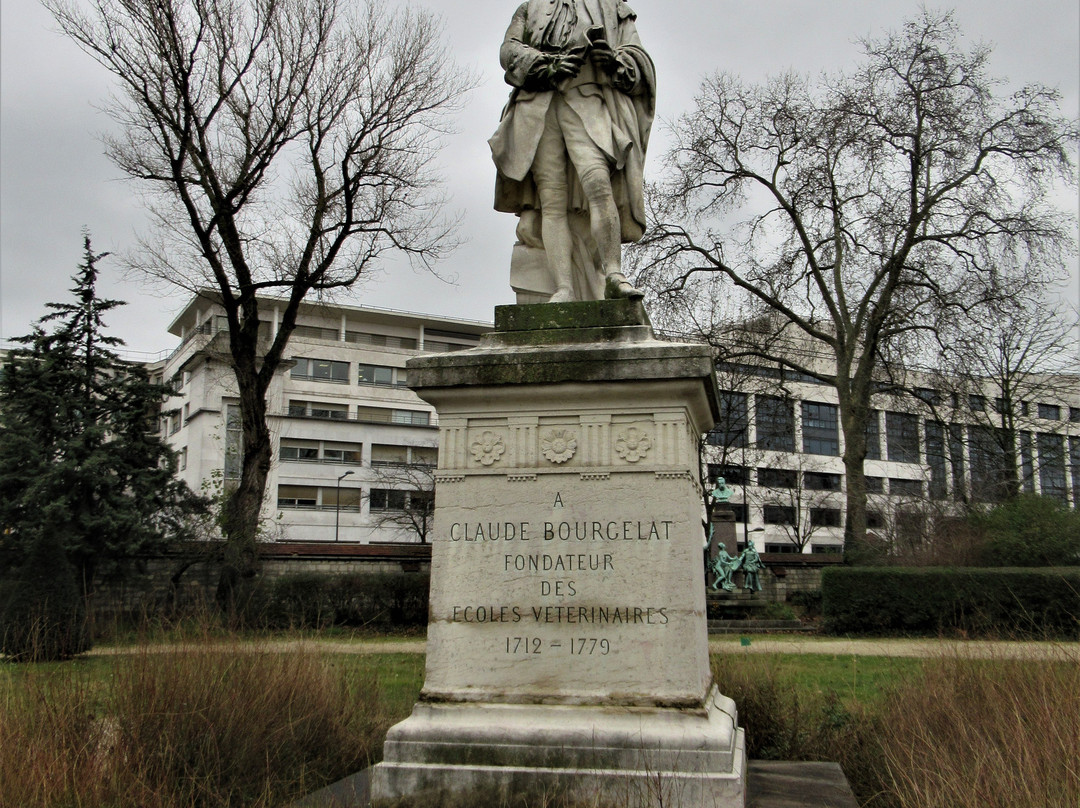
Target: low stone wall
pixel 188 581
pixel 790 572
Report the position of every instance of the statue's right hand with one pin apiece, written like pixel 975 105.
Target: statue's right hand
pixel 565 66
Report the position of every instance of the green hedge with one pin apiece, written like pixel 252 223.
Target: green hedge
pixel 382 600
pixel 1000 602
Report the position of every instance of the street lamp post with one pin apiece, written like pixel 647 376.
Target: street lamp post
pixel 337 504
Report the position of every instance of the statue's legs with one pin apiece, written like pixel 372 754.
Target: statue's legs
pixel 564 138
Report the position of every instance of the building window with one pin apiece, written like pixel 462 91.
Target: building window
pixel 781 548
pixel 821 434
pixel 388 499
pixel 174 422
pixel 778 514
pixel 393 455
pixel 732 430
pixel 1074 415
pixel 322 370
pixel 928 396
pixel 733 475
pixel 875 485
pixel 1027 464
pixel 299 451
pixel 1050 412
pixel 413 417
pixel 902 437
pixel 935 459
pixel 775 423
pixel 298 496
pixel 875 520
pixel 346 453
pixel 350 498
pixel 319 409
pixel 956 460
pixel 380 376
pixel 234 442
pixel 181 460
pixel 1052 466
pixel 825 517
pixel 827 549
pixel 989 474
pixel 314 498
pixel 873 436
pixel 821 481
pixel 905 488
pixel 314 451
pixel 977 403
pixel 777 478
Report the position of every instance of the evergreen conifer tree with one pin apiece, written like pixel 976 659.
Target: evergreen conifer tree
pixel 78 452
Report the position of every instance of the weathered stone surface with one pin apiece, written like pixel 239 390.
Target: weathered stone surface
pixel 579 314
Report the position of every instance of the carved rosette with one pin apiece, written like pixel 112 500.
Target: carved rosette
pixel 632 445
pixel 488 448
pixel 558 445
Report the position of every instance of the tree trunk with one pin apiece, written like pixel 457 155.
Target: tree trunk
pixel 853 420
pixel 242 509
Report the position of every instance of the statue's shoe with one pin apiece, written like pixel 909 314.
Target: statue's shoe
pixel 617 286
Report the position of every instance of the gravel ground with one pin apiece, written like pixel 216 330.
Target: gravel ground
pixel 758 644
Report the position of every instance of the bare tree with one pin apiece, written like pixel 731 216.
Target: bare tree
pixel 286 146
pixel 1002 369
pixel 879 201
pixel 807 502
pixel 402 496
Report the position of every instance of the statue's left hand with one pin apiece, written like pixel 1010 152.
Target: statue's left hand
pixel 603 56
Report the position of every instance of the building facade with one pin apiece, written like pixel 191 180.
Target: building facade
pixel 932 449
pixel 354 449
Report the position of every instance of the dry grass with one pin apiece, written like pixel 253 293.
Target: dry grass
pixel 956 733
pixel 1000 734
pixel 202 728
pixel 215 727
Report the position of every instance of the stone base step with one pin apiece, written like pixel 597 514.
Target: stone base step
pixel 770 784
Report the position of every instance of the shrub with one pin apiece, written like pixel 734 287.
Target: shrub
pixel 926 600
pixel 44 618
pixel 1029 531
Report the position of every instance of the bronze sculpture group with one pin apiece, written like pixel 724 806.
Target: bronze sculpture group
pixel 725 565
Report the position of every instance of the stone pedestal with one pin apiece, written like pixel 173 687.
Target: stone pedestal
pixel 567 642
pixel 723 522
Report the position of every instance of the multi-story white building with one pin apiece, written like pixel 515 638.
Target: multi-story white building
pixel 344 425
pixel 928 452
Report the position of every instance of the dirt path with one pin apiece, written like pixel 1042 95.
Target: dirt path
pixel 759 644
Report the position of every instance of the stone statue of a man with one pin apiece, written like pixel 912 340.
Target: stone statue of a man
pixel 570 148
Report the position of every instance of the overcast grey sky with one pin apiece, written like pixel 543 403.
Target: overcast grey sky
pixel 54 179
